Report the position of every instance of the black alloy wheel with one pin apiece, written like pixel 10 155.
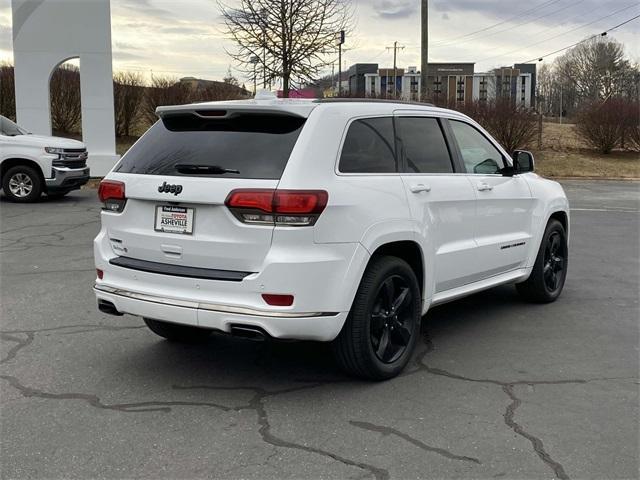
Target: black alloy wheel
pixel 391 320
pixel 554 261
pixel 380 333
pixel 549 271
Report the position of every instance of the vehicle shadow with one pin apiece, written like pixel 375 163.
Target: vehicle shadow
pixel 226 360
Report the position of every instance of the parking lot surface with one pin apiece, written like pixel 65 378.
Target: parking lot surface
pixel 498 388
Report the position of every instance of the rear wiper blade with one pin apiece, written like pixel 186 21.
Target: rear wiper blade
pixel 204 169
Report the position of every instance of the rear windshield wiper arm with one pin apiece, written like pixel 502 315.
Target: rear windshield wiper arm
pixel 204 169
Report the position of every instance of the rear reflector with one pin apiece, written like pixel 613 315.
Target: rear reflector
pixel 111 193
pixel 100 273
pixel 278 300
pixel 277 207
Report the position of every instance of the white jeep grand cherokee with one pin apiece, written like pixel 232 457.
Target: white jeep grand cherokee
pixel 339 221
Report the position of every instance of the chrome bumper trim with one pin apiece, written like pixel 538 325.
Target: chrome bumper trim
pixel 64 174
pixel 213 307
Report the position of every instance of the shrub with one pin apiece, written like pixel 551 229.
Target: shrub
pixel 513 126
pixel 7 91
pixel 631 126
pixel 601 125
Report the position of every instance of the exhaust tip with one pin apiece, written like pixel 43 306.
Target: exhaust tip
pixel 249 332
pixel 109 308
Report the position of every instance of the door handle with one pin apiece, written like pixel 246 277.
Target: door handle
pixel 484 187
pixel 421 187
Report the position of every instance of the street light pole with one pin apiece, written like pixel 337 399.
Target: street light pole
pixel 340 40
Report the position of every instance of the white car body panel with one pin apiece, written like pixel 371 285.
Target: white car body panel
pixel 459 230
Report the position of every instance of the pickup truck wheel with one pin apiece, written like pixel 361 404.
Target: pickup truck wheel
pixel 22 184
pixel 546 281
pixel 175 332
pixel 381 330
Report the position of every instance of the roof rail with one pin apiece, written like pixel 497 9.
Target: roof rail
pixel 370 100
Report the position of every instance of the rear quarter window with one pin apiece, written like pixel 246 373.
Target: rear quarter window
pixel 369 147
pixel 257 146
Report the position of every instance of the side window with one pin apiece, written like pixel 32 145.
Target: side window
pixel 368 147
pixel 478 153
pixel 422 145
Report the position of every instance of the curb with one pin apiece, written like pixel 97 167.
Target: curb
pixel 615 179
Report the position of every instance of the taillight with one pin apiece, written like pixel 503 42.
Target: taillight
pixel 298 208
pixel 111 194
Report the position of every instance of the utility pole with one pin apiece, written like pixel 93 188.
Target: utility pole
pixel 560 103
pixel 424 48
pixel 395 67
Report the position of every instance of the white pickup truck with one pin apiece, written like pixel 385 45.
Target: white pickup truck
pixel 34 164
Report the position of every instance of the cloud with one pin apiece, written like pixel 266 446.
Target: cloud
pixel 445 16
pixel 395 9
pixel 145 8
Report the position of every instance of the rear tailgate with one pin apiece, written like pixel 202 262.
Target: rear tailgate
pixel 174 215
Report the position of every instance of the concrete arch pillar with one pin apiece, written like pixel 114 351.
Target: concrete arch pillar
pixel 47 33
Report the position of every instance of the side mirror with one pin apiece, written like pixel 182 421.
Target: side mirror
pixel 523 161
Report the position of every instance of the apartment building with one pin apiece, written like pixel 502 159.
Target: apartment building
pixel 449 83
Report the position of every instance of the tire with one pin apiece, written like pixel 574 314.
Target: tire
pixel 359 347
pixel 22 184
pixel 57 195
pixel 549 273
pixel 177 333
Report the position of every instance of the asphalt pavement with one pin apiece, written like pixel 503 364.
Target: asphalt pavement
pixel 498 388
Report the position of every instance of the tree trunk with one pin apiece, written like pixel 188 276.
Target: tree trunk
pixel 285 85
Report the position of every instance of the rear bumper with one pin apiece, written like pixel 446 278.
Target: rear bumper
pixel 320 326
pixel 323 279
pixel 67 179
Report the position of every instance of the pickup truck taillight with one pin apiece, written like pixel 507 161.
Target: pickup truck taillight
pixel 111 194
pixel 296 208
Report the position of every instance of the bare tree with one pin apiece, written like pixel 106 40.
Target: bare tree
pixel 230 79
pixel 66 105
pixel 290 39
pixel 128 94
pixel 596 69
pixel 7 91
pixel 163 91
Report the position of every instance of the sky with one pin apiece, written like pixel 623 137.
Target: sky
pixel 185 37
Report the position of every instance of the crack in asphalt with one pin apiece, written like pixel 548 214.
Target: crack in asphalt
pixel 508 389
pixel 27 242
pixel 20 344
pixel 538 447
pixel 257 405
pixel 10 335
pixel 418 443
pixel 257 402
pixel 94 400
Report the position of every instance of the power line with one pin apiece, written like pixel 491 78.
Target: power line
pixel 539 59
pixel 517 24
pixel 558 35
pixel 542 5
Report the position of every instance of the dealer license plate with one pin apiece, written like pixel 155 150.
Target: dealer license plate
pixel 173 219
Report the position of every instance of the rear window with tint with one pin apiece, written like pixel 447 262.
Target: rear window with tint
pixel 256 145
